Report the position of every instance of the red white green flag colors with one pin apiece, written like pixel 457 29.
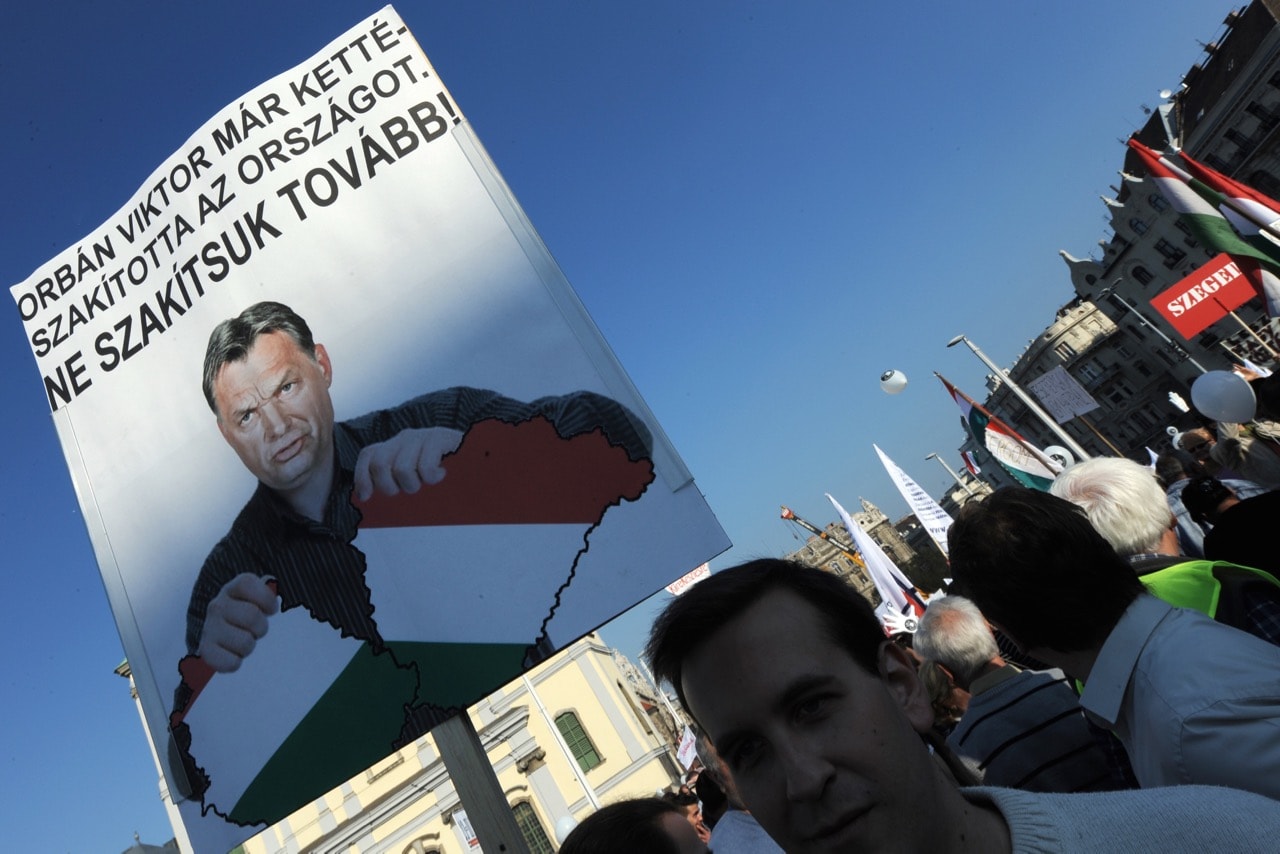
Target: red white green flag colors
pixel 1224 215
pixel 1025 462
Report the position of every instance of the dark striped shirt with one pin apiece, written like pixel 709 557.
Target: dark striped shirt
pixel 1027 731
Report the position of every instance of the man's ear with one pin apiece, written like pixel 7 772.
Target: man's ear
pixel 322 359
pixel 903 684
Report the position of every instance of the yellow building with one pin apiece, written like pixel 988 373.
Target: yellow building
pixel 577 731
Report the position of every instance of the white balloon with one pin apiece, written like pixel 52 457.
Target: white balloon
pixel 892 382
pixel 564 826
pixel 1224 396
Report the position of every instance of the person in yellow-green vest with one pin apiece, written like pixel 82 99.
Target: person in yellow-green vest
pixel 1125 504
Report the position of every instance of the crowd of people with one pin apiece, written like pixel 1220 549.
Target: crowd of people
pixel 1141 711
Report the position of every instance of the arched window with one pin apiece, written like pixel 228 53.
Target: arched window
pixel 579 742
pixel 1157 202
pixel 1138 226
pixel 531 829
pixel 1142 276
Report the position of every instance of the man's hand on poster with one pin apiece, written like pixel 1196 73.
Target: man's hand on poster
pixel 236 620
pixel 404 462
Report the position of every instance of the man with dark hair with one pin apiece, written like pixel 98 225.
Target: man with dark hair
pixel 1241 526
pixel 820 719
pixel 638 826
pixel 1174 470
pixel 1192 700
pixel 267 381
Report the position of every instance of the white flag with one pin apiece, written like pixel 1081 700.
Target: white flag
pixel 935 520
pixel 889 580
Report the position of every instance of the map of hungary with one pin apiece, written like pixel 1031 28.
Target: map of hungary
pixel 461 580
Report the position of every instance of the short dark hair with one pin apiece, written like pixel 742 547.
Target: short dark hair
pixel 1202 497
pixel 232 339
pixel 1173 466
pixel 689 619
pixel 1039 570
pixel 626 827
pixel 1266 391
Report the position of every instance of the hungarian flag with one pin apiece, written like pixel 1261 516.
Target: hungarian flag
pixel 970 463
pixel 1224 215
pixel 1025 462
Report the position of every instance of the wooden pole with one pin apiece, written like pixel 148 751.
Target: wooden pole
pixel 1086 422
pixel 477 786
pixel 1255 335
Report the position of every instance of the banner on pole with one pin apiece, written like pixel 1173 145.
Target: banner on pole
pixel 1204 297
pixel 931 515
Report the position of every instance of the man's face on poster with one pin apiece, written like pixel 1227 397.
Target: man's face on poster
pixel 274 410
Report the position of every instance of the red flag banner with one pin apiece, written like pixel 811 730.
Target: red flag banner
pixel 1206 295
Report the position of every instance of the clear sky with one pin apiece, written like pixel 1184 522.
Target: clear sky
pixel 763 205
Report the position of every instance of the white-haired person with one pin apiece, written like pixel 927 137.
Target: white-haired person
pixel 1126 505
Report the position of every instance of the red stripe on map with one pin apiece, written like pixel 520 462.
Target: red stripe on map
pixel 518 474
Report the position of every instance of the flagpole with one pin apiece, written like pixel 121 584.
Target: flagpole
pixel 1109 293
pixel 1031 449
pixel 1103 439
pixel 1044 417
pixel 1247 329
pixel 967 488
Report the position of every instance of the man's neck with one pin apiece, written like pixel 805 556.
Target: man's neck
pixel 310 499
pixel 1075 664
pixel 970 828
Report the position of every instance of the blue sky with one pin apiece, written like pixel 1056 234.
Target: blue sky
pixel 763 206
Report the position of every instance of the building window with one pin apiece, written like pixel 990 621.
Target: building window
pixel 1264 182
pixel 1090 371
pixel 531 829
pixel 1185 229
pixel 1141 367
pixel 1064 350
pixel 1172 254
pixel 1142 276
pixel 1138 226
pixel 1158 202
pixel 579 743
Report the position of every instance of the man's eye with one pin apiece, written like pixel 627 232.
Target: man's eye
pixel 287 387
pixel 246 418
pixel 813 707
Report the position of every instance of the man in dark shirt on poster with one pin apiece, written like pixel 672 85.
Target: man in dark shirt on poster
pixel 267 381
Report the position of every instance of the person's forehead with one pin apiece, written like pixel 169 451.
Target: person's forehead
pixel 781 634
pixel 270 351
pixel 271 355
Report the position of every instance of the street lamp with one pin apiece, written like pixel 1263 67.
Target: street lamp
pixel 1057 430
pixel 1110 293
pixel 952 473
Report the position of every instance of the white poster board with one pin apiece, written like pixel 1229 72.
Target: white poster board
pixel 351 191
pixel 1059 392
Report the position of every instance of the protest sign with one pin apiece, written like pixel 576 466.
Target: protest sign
pixel 520 491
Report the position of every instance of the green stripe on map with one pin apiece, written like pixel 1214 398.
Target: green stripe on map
pixel 358 719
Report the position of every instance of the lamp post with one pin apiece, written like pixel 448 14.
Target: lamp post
pixel 1109 293
pixel 1057 430
pixel 952 473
